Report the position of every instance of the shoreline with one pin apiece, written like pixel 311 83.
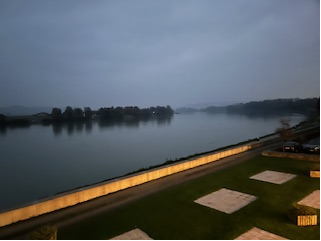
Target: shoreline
pixel 105 188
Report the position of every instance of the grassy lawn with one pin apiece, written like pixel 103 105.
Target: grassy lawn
pixel 172 214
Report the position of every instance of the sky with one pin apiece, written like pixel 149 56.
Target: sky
pixel 103 53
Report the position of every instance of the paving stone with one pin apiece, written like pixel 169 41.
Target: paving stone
pixel 225 200
pixel 259 234
pixel 273 177
pixel 312 200
pixel 135 234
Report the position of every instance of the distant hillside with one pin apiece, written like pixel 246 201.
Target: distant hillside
pixel 270 106
pixel 199 106
pixel 17 110
pixel 185 110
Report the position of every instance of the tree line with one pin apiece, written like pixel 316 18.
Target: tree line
pixel 109 113
pixel 133 111
pixel 87 114
pixel 71 114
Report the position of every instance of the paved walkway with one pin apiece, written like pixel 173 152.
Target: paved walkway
pixel 273 177
pixel 259 234
pixel 225 200
pixel 312 200
pixel 135 234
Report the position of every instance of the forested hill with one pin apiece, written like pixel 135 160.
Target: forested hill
pixel 302 106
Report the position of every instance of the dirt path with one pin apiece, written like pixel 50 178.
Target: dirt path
pixel 94 207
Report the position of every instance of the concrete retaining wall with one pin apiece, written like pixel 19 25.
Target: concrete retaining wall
pixel 299 156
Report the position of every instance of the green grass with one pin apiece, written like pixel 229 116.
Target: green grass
pixel 172 214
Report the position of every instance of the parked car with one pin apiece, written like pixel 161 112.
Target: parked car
pixel 313 146
pixel 292 146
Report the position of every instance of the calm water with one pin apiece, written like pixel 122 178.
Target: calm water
pixel 40 161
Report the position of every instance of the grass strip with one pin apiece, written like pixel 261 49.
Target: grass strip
pixel 172 214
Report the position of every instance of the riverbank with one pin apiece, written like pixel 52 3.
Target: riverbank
pixel 72 215
pixel 149 203
pixel 84 155
pixel 194 169
pixel 76 196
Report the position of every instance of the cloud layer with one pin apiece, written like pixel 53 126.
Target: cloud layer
pixel 104 53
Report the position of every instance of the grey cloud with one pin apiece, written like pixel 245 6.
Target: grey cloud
pixel 157 52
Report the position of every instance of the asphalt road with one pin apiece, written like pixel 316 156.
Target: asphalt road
pixel 96 206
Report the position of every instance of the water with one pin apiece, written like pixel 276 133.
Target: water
pixel 40 161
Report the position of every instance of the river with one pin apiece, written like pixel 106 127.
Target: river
pixel 40 161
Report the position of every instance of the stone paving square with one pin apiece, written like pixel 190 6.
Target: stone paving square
pixel 273 177
pixel 259 234
pixel 312 200
pixel 135 234
pixel 226 200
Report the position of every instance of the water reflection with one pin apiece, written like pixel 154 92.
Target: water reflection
pixel 258 115
pixel 135 122
pixel 71 127
pixel 79 127
pixel 57 128
pixel 4 129
pixel 88 126
pixel 164 121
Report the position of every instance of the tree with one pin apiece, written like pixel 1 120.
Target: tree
pixel 88 113
pixel 68 113
pixel 169 110
pixel 78 114
pixel 56 114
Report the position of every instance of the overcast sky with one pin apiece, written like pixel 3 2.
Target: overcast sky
pixel 157 52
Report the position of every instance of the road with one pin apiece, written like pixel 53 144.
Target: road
pixel 96 206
